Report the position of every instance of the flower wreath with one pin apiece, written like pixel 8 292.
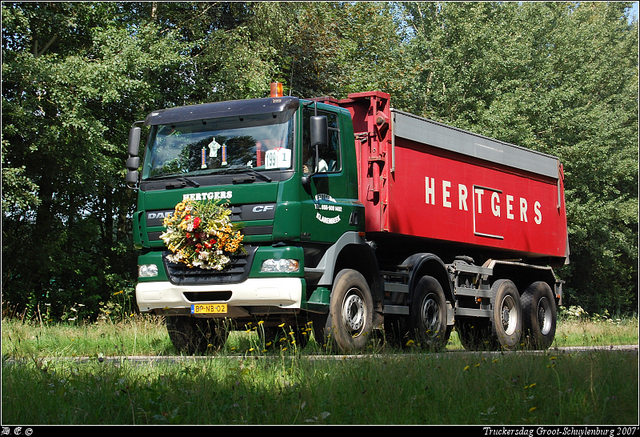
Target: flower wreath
pixel 200 234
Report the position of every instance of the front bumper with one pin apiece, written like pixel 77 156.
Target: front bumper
pixel 255 295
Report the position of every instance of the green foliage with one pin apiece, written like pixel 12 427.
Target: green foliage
pixel 71 88
pixel 560 78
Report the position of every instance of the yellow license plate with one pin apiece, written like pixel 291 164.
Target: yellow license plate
pixel 212 308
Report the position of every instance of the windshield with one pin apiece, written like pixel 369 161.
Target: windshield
pixel 218 146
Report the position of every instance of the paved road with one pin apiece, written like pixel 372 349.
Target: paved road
pixel 141 359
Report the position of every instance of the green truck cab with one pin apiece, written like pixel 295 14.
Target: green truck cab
pixel 287 169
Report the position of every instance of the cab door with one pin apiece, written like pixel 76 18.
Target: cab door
pixel 328 198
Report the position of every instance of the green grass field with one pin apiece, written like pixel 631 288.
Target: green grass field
pixel 248 383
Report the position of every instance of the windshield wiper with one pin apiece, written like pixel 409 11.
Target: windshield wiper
pixel 182 182
pixel 189 181
pixel 260 175
pixel 250 176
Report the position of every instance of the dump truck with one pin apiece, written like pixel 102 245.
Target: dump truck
pixel 357 219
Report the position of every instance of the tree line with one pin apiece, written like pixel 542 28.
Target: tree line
pixel 557 77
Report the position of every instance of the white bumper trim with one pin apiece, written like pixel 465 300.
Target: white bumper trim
pixel 279 292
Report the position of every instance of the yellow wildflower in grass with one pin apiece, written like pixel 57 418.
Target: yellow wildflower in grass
pixel 532 409
pixel 465 369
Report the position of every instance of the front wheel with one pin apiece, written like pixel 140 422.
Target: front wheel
pixel 350 320
pixel 507 314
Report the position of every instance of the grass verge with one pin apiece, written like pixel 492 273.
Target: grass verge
pixel 244 385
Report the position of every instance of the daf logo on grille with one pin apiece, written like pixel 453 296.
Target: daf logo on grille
pixel 159 215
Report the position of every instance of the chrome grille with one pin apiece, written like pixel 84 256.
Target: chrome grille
pixel 236 271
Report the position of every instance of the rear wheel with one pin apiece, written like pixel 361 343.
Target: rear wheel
pixel 539 311
pixel 428 314
pixel 192 335
pixel 507 314
pixel 350 319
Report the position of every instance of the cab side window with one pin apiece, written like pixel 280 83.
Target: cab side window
pixel 329 156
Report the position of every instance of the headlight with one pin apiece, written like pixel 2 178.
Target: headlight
pixel 147 270
pixel 280 266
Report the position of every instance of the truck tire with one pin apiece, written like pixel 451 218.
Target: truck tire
pixel 428 315
pixel 350 319
pixel 507 314
pixel 191 335
pixel 539 311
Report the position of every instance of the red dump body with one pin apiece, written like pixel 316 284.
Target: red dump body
pixel 425 179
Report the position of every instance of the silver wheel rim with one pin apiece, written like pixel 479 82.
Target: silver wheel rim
pixel 508 314
pixel 544 316
pixel 353 311
pixel 430 316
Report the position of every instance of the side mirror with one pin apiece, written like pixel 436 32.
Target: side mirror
pixel 134 141
pixel 132 178
pixel 319 130
pixel 133 162
pixel 319 137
